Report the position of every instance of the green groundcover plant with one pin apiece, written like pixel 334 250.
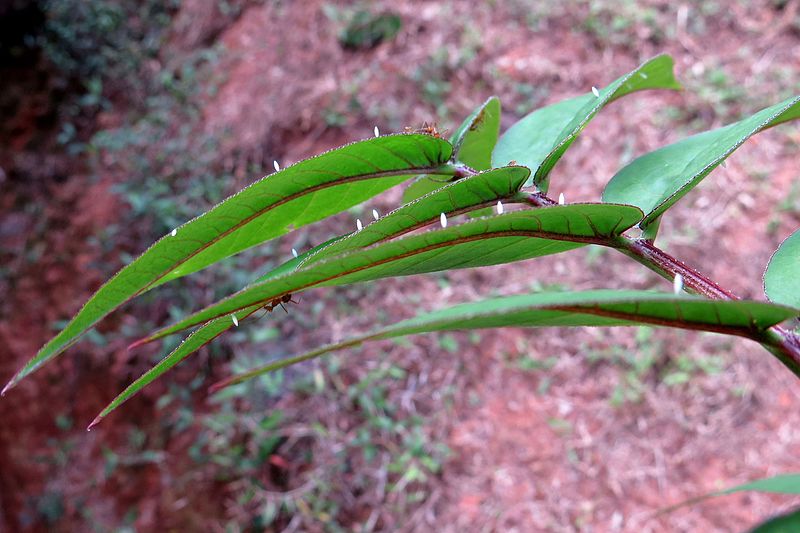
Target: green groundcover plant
pixel 500 184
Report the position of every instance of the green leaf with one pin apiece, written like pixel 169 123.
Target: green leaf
pixel 475 139
pixel 590 308
pixel 540 139
pixel 292 264
pixel 780 484
pixel 191 344
pixel 656 180
pixel 422 186
pixel 483 188
pixel 782 277
pixel 202 336
pixel 481 242
pixel 301 194
pixel 472 143
pixel 474 192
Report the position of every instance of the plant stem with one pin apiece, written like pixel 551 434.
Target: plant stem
pixel 660 262
pixel 457 170
pixel 782 343
pixel 536 199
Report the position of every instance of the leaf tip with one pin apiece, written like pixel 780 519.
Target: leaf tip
pixel 219 385
pixel 14 381
pixel 96 421
pixel 135 344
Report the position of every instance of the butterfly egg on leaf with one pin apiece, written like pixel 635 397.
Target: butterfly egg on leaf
pixel 677 284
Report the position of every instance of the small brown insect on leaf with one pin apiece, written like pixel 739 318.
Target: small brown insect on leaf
pixel 285 299
pixel 479 121
pixel 426 129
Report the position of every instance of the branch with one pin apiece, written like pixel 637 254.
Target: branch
pixel 782 343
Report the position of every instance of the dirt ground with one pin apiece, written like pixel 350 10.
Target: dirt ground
pixel 547 430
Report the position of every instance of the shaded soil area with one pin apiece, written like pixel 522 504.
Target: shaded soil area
pixel 546 430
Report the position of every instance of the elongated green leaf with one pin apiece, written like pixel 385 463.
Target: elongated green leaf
pixel 301 194
pixel 191 344
pixel 424 185
pixel 472 142
pixel 294 263
pixel 474 192
pixel 475 139
pixel 590 308
pixel 782 277
pixel 780 484
pixel 540 139
pixel 656 180
pixel 481 242
pixel 203 335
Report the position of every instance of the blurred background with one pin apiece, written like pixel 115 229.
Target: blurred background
pixel 122 120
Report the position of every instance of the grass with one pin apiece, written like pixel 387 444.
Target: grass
pixel 323 438
pixel 648 364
